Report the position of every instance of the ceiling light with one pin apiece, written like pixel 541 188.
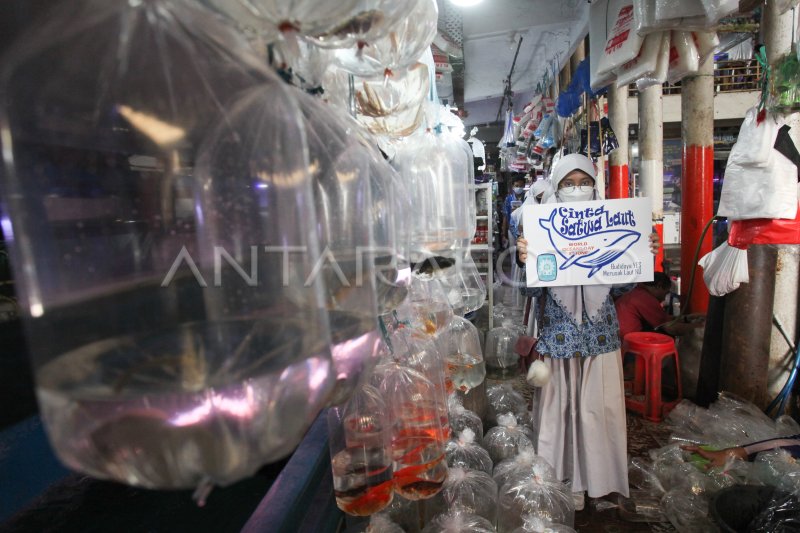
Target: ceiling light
pixel 465 3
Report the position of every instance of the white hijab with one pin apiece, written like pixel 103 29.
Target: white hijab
pixel 574 299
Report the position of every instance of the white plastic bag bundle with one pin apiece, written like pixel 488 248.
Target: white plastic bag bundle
pixel 683 56
pixel 724 269
pixel 622 43
pixel 669 10
pixel 525 462
pixel 759 191
pixel 659 75
pixel 646 19
pixel 465 453
pixel 644 64
pixel 508 439
pixel 524 498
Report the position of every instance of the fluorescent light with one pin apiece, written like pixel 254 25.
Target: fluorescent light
pixel 465 3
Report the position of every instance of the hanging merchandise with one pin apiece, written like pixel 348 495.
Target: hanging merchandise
pixel 459 521
pixel 418 439
pixel 460 345
pixel 659 76
pixel 610 142
pixel 360 440
pixel 683 56
pixel 724 269
pixel 645 15
pixel 164 346
pixel 672 10
pixel 340 173
pixel 785 94
pixel 622 44
pixel 509 139
pixel 525 497
pixel 463 452
pixel 759 181
pixel 644 64
pixel 406 42
pixel 306 69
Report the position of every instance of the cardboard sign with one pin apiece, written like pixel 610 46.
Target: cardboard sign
pixel 600 242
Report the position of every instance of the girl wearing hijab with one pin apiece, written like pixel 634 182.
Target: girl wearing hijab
pixel 582 430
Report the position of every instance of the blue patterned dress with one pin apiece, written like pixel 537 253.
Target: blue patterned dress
pixel 560 337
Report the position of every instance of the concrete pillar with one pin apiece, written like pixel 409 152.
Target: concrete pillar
pixel 618 160
pixel 776 33
pixel 651 155
pixel 697 180
pixel 747 327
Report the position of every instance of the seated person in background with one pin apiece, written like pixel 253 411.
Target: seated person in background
pixel 791 444
pixel 640 310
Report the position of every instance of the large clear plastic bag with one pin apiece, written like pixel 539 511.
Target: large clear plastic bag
pixel 134 170
pixel 717 9
pixel 434 168
pixel 524 498
pixel 501 359
pixel 503 399
pixel 645 20
pixel 508 438
pixel 418 436
pixel 360 441
pixel 525 462
pixel 777 468
pixel 472 491
pixel 462 418
pixel 460 345
pixel 464 452
pixel 622 43
pixel 724 269
pixel 537 525
pixel 341 166
pixel 687 512
pixel 372 20
pixel 459 521
pixel 395 52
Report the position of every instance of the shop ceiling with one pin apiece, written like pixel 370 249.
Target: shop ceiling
pixel 485 36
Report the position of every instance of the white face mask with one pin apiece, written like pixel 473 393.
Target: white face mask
pixel 583 193
pixel 519 190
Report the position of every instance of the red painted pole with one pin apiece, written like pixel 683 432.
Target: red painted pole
pixel 697 181
pixel 618 160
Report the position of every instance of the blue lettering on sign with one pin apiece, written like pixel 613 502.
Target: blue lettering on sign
pixel 567 225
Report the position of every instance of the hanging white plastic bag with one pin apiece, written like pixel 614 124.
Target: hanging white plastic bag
pixel 666 10
pixel 622 43
pixel 683 56
pixel 659 76
pixel 724 269
pixel 598 35
pixel 706 42
pixel 754 144
pixel 643 65
pixel 760 192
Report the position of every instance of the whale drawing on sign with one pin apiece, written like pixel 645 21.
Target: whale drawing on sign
pixel 612 244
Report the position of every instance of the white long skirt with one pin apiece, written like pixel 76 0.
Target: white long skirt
pixel 582 430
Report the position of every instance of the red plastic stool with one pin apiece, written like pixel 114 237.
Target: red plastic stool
pixel 650 350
